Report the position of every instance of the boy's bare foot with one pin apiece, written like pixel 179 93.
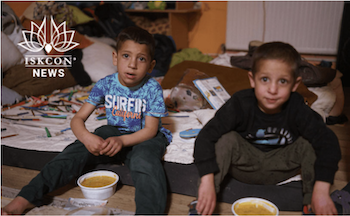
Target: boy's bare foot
pixel 17 206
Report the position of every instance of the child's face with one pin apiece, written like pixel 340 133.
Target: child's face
pixel 133 62
pixel 273 83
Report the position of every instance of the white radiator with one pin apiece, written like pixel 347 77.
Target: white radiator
pixel 311 27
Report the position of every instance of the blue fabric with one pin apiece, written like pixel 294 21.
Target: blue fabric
pixel 8 96
pixel 127 107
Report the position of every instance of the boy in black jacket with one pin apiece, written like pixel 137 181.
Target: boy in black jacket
pixel 267 134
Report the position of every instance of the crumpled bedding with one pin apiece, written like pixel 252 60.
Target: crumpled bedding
pixel 180 150
pixel 34 137
pixel 31 135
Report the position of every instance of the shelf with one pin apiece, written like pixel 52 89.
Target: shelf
pixel 163 11
pixel 179 20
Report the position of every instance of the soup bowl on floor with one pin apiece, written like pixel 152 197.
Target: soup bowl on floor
pixel 254 206
pixel 98 184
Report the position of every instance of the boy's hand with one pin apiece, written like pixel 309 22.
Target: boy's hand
pixel 206 195
pixel 321 201
pixel 111 146
pixel 93 143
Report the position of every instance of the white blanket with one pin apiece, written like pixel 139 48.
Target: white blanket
pixel 32 135
pixel 180 149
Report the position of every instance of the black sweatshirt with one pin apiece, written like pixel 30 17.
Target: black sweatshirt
pixel 269 131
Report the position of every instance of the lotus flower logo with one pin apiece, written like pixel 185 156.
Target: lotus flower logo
pixel 60 41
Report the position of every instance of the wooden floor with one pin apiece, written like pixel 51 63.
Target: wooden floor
pixel 177 204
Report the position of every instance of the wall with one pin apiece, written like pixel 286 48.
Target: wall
pixel 311 27
pixel 18 7
pixel 209 30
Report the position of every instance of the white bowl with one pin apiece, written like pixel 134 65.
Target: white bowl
pixel 100 193
pixel 255 201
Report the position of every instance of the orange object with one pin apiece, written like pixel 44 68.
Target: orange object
pixel 3 137
pixel 41 104
pixel 15 105
pixel 29 119
pixel 35 98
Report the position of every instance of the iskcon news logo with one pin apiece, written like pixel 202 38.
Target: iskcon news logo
pixel 48 37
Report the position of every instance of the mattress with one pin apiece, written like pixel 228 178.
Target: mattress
pixel 32 148
pixel 24 133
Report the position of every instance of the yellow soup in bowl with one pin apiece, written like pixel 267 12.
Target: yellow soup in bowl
pixel 97 181
pixel 254 207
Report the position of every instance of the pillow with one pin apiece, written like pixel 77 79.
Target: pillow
pixel 105 40
pixel 79 17
pixel 97 60
pixel 16 37
pixel 11 55
pixel 204 115
pixel 20 79
pixel 9 97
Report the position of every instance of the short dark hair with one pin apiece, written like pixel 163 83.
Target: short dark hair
pixel 278 51
pixel 137 35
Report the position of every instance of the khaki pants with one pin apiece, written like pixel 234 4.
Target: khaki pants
pixel 246 163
